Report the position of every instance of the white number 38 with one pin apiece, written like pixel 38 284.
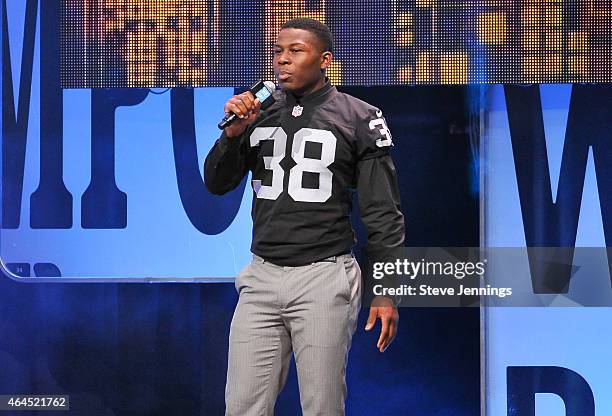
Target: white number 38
pixel 303 164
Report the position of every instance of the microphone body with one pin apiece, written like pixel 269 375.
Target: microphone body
pixel 262 90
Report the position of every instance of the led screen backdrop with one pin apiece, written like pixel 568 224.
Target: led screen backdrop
pixel 124 43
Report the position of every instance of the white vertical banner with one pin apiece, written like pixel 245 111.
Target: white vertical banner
pixel 543 181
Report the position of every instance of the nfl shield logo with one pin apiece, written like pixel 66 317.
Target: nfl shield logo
pixel 297 111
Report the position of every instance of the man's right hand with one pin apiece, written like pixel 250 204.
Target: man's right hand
pixel 246 107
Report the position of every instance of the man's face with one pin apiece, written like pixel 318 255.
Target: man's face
pixel 298 60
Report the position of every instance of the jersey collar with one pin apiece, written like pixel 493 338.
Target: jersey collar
pixel 316 97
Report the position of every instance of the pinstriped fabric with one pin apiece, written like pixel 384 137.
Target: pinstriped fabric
pixel 308 310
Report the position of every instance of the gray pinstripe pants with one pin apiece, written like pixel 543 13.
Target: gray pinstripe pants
pixel 310 310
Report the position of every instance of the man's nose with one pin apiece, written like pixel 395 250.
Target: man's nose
pixel 283 58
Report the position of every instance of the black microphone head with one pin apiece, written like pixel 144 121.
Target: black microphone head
pixel 264 90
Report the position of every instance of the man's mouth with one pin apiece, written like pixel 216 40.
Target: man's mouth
pixel 284 76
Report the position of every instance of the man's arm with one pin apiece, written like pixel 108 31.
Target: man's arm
pixel 379 207
pixel 226 163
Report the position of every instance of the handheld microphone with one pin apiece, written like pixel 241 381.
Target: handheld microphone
pixel 262 90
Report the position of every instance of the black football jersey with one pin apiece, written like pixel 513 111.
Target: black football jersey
pixel 307 155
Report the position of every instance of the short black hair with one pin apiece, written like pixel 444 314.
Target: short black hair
pixel 320 30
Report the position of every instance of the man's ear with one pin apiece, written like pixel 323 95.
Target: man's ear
pixel 326 59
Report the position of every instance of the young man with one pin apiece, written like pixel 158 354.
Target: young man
pixel 302 291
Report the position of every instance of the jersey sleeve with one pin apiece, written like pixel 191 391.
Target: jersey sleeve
pixel 373 138
pixel 226 163
pixel 379 207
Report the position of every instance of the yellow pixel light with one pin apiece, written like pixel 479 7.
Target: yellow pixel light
pixel 167 43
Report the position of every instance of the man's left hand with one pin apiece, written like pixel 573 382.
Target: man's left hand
pixel 383 308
